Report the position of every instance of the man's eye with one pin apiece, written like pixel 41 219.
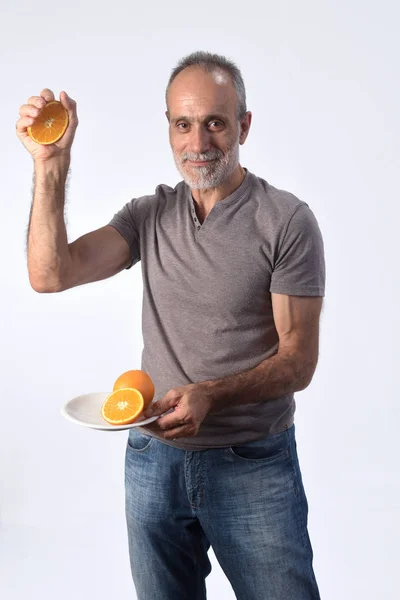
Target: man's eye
pixel 182 125
pixel 216 124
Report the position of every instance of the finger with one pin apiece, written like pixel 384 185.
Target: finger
pixel 70 105
pixel 23 123
pixel 160 407
pixel 30 110
pixel 177 432
pixel 47 95
pixel 170 421
pixel 153 427
pixel 38 101
pixel 183 431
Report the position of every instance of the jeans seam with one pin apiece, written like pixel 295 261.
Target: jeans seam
pixel 258 460
pixel 140 449
pixel 303 522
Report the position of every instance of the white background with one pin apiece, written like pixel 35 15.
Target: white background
pixel 322 82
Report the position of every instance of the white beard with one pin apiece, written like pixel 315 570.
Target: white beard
pixel 210 176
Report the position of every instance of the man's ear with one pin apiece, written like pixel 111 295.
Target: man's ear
pixel 167 115
pixel 245 127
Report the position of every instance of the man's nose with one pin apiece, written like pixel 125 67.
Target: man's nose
pixel 199 140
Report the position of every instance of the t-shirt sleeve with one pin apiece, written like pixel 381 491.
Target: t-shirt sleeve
pixel 299 268
pixel 126 221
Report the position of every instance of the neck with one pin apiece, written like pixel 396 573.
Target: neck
pixel 206 199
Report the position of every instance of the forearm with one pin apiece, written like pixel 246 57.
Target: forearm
pixel 283 373
pixel 48 252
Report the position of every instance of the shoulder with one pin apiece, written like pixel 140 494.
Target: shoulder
pixel 163 197
pixel 281 214
pixel 279 203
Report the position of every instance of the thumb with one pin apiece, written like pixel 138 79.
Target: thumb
pixel 69 104
pixel 160 407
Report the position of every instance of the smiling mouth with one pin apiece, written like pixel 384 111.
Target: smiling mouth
pixel 200 163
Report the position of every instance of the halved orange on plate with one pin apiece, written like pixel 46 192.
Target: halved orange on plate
pixel 123 406
pixel 86 409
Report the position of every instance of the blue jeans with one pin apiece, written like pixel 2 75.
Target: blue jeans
pixel 247 502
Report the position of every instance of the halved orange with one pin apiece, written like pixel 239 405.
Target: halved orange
pixel 139 380
pixel 122 406
pixel 50 125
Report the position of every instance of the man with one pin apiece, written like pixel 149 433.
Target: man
pixel 233 279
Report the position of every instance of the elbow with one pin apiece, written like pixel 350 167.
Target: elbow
pixel 44 288
pixel 305 378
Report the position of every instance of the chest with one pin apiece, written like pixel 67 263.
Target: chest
pixel 225 265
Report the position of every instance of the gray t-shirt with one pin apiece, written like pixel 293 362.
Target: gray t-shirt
pixel 207 310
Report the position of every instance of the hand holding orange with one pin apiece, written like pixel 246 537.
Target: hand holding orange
pixel 132 393
pixel 46 126
pixel 50 124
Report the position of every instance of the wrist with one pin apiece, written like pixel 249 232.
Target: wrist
pixel 215 392
pixel 54 163
pixel 52 171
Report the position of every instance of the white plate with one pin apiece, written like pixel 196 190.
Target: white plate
pixel 86 410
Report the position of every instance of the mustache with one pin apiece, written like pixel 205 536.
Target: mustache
pixel 212 155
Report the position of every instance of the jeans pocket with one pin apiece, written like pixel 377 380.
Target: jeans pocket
pixel 137 441
pixel 265 450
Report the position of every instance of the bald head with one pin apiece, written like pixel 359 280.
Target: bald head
pixel 196 87
pixel 214 63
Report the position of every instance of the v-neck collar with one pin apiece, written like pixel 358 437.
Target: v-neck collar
pixel 201 228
